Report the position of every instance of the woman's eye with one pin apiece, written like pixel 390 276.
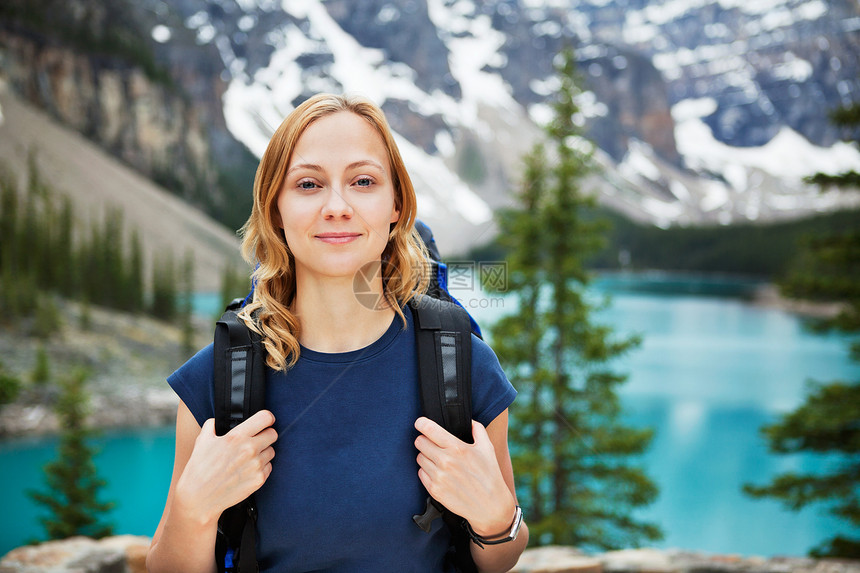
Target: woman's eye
pixel 364 182
pixel 307 185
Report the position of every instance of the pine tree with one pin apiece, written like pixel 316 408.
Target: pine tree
pixel 234 284
pixel 847 118
pixel 10 385
pixel 570 449
pixel 114 282
pixel 517 337
pixel 135 287
pixel 8 216
pixel 64 250
pixel 164 288
pixel 72 480
pixel 827 269
pixel 186 312
pixel 42 370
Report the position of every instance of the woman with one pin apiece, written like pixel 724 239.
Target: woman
pixel 333 459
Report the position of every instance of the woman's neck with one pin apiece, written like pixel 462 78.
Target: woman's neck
pixel 334 318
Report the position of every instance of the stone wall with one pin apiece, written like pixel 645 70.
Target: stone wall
pixel 127 554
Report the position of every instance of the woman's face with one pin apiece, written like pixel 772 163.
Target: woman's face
pixel 337 200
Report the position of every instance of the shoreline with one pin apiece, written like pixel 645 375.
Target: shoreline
pixel 130 357
pixel 768 296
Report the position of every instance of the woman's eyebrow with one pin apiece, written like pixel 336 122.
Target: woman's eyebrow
pixel 309 166
pixel 365 162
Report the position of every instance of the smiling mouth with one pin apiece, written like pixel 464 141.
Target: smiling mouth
pixel 337 238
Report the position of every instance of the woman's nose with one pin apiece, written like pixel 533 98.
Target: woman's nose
pixel 336 205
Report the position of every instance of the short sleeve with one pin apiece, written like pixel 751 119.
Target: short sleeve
pixel 192 382
pixel 492 393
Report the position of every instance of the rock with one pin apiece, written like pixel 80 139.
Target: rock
pixel 637 561
pixel 556 559
pixel 127 554
pixel 119 554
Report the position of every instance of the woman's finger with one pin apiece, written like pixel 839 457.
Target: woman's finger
pixel 428 447
pixel 425 463
pixel 436 433
pixel 255 424
pixel 265 438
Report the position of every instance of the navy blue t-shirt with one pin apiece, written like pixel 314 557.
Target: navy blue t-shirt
pixel 344 483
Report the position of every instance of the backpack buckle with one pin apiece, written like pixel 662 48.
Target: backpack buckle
pixel 431 512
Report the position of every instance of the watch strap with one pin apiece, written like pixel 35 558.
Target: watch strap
pixel 512 534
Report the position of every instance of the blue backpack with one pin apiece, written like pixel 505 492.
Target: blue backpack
pixel 443 330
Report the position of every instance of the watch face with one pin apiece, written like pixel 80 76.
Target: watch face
pixel 518 521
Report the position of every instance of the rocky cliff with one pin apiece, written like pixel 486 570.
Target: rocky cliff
pixel 142 122
pixel 159 113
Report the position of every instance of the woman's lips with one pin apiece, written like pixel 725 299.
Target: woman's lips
pixel 337 238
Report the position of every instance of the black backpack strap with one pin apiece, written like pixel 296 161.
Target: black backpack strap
pixel 239 379
pixel 443 336
pixel 444 344
pixel 239 374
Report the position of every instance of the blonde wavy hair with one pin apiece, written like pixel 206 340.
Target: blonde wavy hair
pixel 263 243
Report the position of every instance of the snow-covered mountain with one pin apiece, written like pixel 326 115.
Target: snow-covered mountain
pixel 703 110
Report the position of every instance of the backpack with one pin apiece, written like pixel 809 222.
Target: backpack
pixel 443 330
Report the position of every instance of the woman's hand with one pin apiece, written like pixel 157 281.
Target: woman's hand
pixel 465 478
pixel 224 470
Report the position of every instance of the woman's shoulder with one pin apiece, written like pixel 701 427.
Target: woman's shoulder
pixel 200 363
pixel 482 353
pixel 192 382
pixel 492 393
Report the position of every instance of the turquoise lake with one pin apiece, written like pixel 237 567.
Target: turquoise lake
pixel 711 371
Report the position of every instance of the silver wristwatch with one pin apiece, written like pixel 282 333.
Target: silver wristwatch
pixel 515 530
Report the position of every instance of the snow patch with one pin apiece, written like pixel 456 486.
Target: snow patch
pixel 787 156
pixel 200 23
pixel 679 190
pixel 388 13
pixel 693 109
pixel 545 87
pixel 811 10
pixel 716 195
pixel 447 188
pixel 662 212
pixel 444 143
pixel 161 34
pixel 637 161
pixel 247 22
pixel 590 106
pixel 541 114
pixel 793 69
pixel 475 46
pixel 753 7
pixel 665 12
pixel 641 34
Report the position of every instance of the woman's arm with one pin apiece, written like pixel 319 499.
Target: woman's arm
pixel 475 481
pixel 504 556
pixel 210 474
